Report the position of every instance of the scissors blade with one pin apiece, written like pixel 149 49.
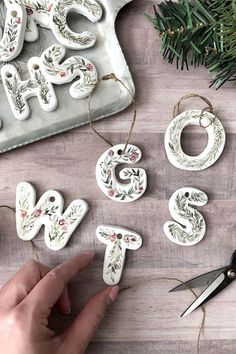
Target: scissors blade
pixel 202 280
pixel 218 285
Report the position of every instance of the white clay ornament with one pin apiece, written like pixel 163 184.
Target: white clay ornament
pixel 48 211
pixel 58 22
pixel 189 226
pixel 76 66
pixel 106 174
pixel 215 146
pixel 44 72
pixel 118 240
pixel 18 91
pixel 52 14
pixel 38 12
pixel 13 35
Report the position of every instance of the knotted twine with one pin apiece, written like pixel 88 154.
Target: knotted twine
pixel 209 108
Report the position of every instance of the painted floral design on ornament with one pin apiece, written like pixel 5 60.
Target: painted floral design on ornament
pixel 107 180
pixel 52 14
pixel 89 8
pixel 38 12
pixel 9 43
pixel 13 36
pixel 116 253
pixel 117 240
pixel 48 212
pixel 215 147
pixel 18 91
pixel 59 72
pixel 190 227
pixel 40 6
pixel 59 225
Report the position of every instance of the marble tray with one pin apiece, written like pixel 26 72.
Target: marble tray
pixel 108 98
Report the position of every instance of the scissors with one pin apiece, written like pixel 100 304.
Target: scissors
pixel 217 280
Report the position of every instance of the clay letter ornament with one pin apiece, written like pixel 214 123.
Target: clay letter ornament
pixel 215 146
pixel 53 14
pixel 18 92
pixel 117 239
pixel 48 211
pixel 60 73
pixel 44 72
pixel 189 227
pixel 106 177
pixel 13 35
pixel 58 22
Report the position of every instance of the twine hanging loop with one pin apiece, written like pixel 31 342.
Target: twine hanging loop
pixel 113 77
pixel 209 108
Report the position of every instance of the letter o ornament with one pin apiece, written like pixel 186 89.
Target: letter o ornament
pixel 213 150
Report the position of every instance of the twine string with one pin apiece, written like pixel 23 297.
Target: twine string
pixel 31 243
pixel 211 120
pixel 8 207
pixel 143 282
pixel 209 108
pixel 116 79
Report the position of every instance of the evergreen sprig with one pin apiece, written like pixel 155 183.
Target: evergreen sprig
pixel 223 62
pixel 199 32
pixel 188 31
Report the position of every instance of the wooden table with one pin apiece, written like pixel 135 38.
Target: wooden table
pixel 145 319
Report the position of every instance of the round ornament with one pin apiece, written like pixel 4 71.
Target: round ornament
pixel 189 226
pixel 215 146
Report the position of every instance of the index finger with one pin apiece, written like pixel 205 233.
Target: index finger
pixel 47 292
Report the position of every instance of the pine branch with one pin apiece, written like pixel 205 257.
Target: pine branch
pixel 188 31
pixel 223 64
pixel 200 33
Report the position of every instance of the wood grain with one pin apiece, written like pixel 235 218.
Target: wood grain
pixel 145 319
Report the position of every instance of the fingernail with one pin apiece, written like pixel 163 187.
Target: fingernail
pixel 89 254
pixel 113 293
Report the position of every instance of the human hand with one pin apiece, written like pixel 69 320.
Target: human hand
pixel 26 302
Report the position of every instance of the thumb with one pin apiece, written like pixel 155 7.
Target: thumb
pixel 82 330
